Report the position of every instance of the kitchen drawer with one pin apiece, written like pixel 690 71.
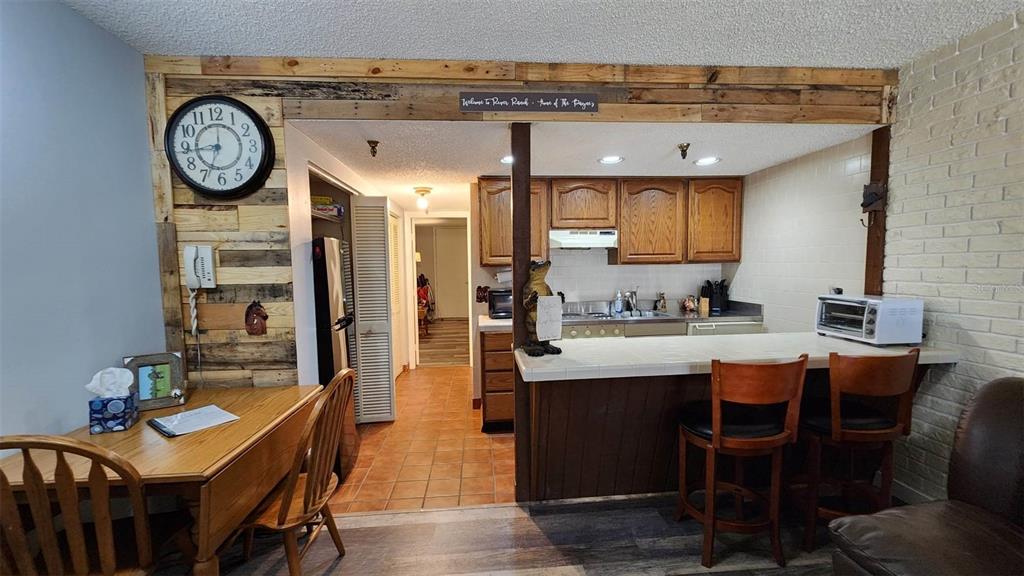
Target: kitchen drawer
pixel 497 341
pixel 498 381
pixel 499 407
pixel 719 328
pixel 498 361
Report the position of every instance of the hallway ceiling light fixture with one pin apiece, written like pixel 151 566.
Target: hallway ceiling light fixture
pixel 708 161
pixel 611 159
pixel 506 159
pixel 422 202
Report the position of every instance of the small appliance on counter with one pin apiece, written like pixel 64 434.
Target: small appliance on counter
pixel 499 303
pixel 876 320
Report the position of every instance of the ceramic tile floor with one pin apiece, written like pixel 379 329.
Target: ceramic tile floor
pixel 433 455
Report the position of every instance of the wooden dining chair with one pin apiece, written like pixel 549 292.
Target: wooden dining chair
pixel 742 421
pixel 51 536
pixel 855 425
pixel 301 501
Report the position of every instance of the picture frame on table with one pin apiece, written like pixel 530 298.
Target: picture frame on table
pixel 159 379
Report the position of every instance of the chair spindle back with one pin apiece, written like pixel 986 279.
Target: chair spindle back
pixel 16 557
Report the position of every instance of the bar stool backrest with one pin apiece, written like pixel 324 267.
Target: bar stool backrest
pixel 757 384
pixel 875 376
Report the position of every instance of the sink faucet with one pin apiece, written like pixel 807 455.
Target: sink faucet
pixel 631 304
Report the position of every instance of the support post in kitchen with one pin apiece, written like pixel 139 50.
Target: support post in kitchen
pixel 875 258
pixel 520 275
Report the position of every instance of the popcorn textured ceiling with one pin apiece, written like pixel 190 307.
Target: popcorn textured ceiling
pixel 448 156
pixel 824 33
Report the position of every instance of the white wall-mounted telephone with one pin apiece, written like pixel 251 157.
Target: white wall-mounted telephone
pixel 198 261
pixel 199 271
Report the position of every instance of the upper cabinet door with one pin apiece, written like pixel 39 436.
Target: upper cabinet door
pixel 652 226
pixel 496 221
pixel 584 203
pixel 714 210
pixel 540 222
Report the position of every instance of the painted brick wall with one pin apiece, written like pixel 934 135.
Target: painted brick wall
pixel 955 228
pixel 786 268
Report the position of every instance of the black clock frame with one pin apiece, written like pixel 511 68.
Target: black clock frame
pixel 262 172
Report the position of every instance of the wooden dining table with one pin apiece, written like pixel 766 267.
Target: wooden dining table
pixel 222 472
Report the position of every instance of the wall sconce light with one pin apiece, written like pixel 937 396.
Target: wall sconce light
pixel 683 149
pixel 422 202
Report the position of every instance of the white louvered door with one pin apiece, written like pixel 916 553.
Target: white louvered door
pixel 374 391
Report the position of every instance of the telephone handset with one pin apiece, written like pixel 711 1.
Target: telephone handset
pixel 198 274
pixel 199 267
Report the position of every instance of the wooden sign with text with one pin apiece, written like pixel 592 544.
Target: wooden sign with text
pixel 527 102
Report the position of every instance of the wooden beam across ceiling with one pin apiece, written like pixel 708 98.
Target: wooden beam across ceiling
pixel 330 88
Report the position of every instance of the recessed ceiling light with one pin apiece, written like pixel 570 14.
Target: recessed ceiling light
pixel 506 159
pixel 611 159
pixel 708 161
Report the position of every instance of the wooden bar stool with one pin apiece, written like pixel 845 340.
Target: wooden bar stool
pixel 857 425
pixel 743 419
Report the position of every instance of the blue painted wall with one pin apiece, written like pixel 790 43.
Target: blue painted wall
pixel 79 283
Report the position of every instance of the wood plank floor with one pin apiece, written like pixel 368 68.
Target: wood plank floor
pixel 447 344
pixel 608 536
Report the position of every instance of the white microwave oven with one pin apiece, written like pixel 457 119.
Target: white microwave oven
pixel 877 320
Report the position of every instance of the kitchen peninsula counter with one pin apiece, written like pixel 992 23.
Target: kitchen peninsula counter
pixel 680 355
pixel 600 419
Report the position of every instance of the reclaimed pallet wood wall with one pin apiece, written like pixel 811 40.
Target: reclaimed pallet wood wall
pixel 251 236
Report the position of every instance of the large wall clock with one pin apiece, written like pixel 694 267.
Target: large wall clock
pixel 219 147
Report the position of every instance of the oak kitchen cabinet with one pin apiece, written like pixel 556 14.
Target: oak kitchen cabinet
pixel 713 220
pixel 496 220
pixel 584 202
pixel 652 224
pixel 496 379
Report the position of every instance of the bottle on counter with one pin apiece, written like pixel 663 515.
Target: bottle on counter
pixel 618 302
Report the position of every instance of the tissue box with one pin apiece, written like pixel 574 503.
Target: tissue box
pixel 113 414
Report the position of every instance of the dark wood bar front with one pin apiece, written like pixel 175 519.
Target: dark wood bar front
pixel 607 436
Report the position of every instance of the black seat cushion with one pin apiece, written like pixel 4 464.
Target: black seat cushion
pixel 855 416
pixel 738 420
pixel 934 538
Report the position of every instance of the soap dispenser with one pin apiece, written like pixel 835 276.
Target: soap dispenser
pixel 618 302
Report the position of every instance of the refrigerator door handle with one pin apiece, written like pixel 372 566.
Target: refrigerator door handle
pixel 342 323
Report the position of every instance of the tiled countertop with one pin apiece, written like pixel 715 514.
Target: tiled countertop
pixel 487 324
pixel 670 355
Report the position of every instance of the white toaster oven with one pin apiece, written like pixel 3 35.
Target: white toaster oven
pixel 874 320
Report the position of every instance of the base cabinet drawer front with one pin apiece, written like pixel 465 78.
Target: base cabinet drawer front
pixel 498 381
pixel 497 341
pixel 713 220
pixel 498 361
pixel 584 203
pixel 499 407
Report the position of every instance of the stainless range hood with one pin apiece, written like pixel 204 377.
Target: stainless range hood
pixel 581 239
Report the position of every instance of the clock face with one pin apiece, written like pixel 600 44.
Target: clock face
pixel 219 146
